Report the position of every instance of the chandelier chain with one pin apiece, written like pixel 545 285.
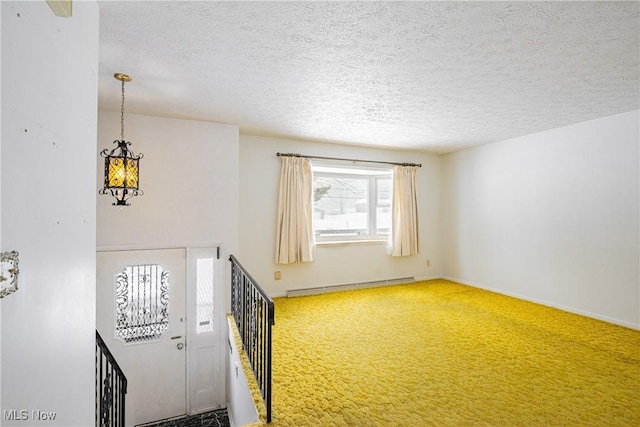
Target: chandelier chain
pixel 122 114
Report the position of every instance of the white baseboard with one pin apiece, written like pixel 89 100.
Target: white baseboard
pixel 278 295
pixel 424 278
pixel 349 286
pixel 548 303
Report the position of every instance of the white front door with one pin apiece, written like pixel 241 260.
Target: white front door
pixel 140 314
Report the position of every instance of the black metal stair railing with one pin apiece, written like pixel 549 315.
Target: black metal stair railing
pixel 254 314
pixel 111 387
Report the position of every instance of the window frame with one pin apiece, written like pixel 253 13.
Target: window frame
pixel 372 175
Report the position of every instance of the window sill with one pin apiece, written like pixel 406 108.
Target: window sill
pixel 351 242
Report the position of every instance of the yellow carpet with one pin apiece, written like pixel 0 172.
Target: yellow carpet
pixel 439 353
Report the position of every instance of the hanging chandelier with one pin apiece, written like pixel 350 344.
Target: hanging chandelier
pixel 121 165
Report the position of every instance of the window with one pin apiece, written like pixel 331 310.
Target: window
pixel 204 291
pixel 351 203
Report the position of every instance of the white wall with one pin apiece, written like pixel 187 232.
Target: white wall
pixel 333 265
pixel 189 175
pixel 49 103
pixel 550 217
pixel 1 227
pixel 241 409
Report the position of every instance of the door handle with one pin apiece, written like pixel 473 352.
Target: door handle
pixel 180 346
pixel 176 337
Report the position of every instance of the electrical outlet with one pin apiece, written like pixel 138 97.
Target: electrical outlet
pixel 428 263
pixel 277 275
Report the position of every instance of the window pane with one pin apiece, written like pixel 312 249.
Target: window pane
pixel 351 202
pixel 383 205
pixel 204 297
pixel 340 205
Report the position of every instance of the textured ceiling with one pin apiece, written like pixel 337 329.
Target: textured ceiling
pixel 434 76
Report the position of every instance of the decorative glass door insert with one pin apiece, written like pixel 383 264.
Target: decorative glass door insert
pixel 204 299
pixel 142 303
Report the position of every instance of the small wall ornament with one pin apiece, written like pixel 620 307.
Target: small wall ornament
pixel 8 273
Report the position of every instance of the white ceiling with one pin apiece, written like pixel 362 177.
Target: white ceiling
pixel 434 76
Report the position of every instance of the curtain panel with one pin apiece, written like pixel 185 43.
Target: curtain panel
pixel 294 231
pixel 404 234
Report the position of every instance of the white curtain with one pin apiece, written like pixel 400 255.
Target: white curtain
pixel 294 231
pixel 404 234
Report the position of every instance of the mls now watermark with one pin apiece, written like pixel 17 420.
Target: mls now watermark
pixel 24 415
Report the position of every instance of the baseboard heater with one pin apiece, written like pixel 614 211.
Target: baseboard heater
pixel 348 286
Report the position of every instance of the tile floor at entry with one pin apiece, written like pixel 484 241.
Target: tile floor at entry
pixel 217 418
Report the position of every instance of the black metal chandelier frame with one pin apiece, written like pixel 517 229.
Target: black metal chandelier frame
pixel 121 165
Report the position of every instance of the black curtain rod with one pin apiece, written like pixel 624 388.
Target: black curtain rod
pixel 348 160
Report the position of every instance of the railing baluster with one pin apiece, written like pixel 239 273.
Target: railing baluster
pixel 114 387
pixel 110 378
pixel 98 376
pixel 254 314
pixel 123 392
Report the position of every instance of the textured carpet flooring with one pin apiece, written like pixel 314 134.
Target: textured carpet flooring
pixel 443 354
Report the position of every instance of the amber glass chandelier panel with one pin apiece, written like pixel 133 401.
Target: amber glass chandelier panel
pixel 121 173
